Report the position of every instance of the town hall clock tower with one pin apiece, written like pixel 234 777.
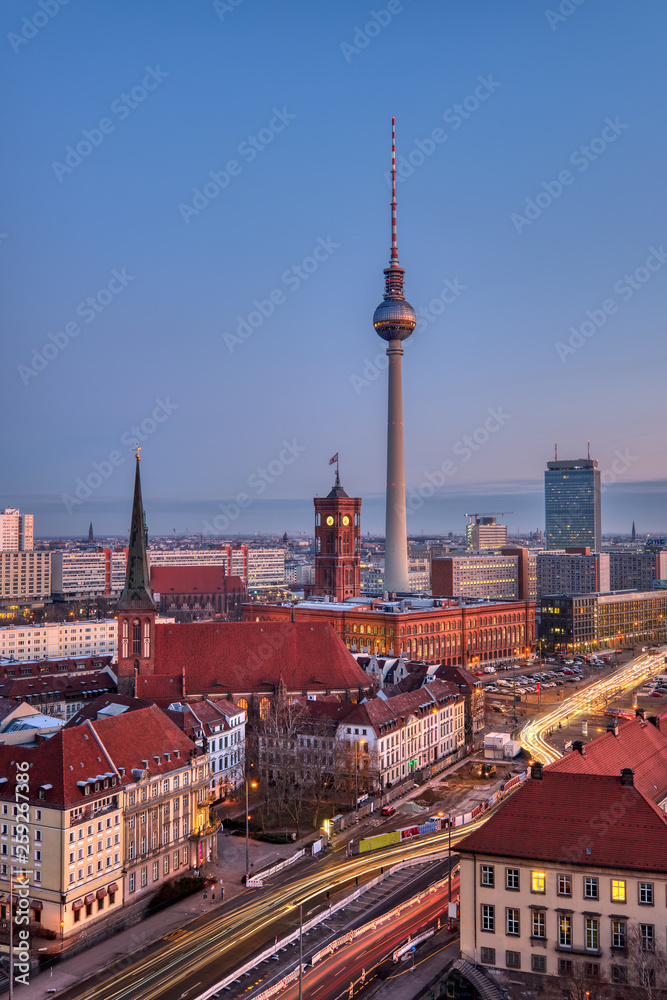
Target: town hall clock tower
pixel 337 545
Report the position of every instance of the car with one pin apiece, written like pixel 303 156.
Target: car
pixel 387 811
pixel 656 694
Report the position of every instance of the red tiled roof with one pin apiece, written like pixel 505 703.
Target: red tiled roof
pixel 639 745
pixel 587 819
pixel 62 665
pixel 254 656
pixel 91 708
pixel 382 712
pixel 193 579
pixel 64 684
pixel 160 688
pixel 96 749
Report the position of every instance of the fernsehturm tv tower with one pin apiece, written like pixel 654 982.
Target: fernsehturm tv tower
pixel 394 321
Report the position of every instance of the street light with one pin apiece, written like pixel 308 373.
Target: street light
pixel 247 841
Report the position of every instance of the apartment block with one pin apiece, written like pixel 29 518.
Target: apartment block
pixel 83 573
pixel 25 576
pixel 57 640
pixel 573 571
pixel 16 531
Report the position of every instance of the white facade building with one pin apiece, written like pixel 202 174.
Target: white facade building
pixel 266 568
pixel 187 557
pixel 58 640
pixel 83 573
pixel 222 725
pixel 16 531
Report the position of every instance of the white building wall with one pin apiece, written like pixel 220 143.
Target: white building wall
pixel 61 639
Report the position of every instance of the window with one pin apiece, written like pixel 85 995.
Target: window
pixel 618 890
pixel 512 921
pixel 132 882
pixel 487 875
pixel 618 933
pixel 592 929
pixel 590 887
pixel 144 877
pixel 539 924
pixel 112 898
pixel 488 917
pixel 156 870
pixel 564 885
pixel 646 893
pixel 592 970
pixel 647 934
pixel 564 930
pixel 538 882
pixel 564 966
pixel 619 974
pixel 538 963
pixel 513 959
pixel 488 956
pixel 165 865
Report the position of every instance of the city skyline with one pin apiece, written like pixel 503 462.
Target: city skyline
pixel 162 347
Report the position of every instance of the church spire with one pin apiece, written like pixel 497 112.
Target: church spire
pixel 137 594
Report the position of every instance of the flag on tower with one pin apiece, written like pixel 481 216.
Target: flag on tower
pixel 332 461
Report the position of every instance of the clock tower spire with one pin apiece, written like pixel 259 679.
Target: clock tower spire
pixel 337 545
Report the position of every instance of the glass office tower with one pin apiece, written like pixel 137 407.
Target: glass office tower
pixel 572 504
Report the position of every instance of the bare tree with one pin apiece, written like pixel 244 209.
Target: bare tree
pixel 582 981
pixel 647 968
pixel 278 756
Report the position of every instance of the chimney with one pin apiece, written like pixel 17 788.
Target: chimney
pixel 580 746
pixel 627 776
pixel 536 770
pixel 654 720
pixel 639 713
pixel 612 727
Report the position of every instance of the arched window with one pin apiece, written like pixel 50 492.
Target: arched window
pixel 125 639
pixel 136 637
pixel 264 708
pixel 243 703
pixel 147 640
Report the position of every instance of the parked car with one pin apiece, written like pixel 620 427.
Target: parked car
pixel 388 811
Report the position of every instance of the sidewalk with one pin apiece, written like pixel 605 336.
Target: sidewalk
pixel 228 869
pixel 404 984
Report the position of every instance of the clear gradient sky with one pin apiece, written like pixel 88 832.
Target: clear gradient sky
pixel 539 94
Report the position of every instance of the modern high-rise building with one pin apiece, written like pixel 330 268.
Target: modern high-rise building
pixel 485 533
pixel 394 320
pixel 572 499
pixel 15 531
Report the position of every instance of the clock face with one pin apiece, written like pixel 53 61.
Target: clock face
pixel 330 520
pixel 346 520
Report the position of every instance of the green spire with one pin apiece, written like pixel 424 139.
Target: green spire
pixel 137 594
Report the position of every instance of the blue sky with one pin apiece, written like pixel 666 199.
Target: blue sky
pixel 171 92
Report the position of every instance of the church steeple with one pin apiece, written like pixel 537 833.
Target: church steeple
pixel 137 594
pixel 136 608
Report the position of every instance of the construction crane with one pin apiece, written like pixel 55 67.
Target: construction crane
pixel 488 513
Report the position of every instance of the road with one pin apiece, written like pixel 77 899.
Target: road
pixel 533 734
pixel 329 978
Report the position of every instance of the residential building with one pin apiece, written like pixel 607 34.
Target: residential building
pixel 117 806
pixel 568 878
pixel 431 629
pixel 572 494
pixel 409 731
pixel 573 571
pixel 635 570
pixel 581 623
pixel 23 723
pixel 266 569
pixel 58 640
pixel 25 576
pixel 188 557
pixel 476 576
pixel 219 727
pixel 16 531
pixel 78 574
pixel 59 695
pixel 484 532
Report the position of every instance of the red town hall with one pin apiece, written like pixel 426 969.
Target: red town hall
pixel 337 545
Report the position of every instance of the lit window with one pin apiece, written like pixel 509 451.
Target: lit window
pixel 538 882
pixel 618 890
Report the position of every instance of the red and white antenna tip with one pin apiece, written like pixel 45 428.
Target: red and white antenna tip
pixel 394 245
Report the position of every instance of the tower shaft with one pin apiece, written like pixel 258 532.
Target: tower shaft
pixel 396 529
